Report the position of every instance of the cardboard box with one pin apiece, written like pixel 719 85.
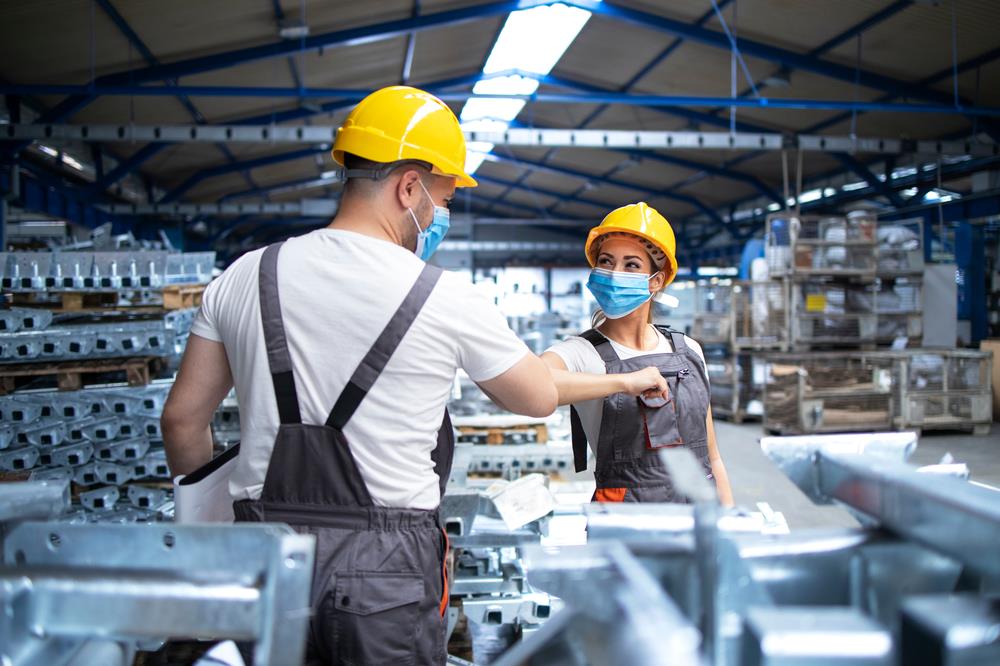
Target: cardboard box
pixel 993 345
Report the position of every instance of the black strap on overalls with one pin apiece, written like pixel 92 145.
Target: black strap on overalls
pixel 371 366
pixel 607 353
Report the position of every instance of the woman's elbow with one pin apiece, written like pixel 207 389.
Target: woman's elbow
pixel 546 403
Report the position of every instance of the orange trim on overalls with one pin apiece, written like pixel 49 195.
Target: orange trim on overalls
pixel 610 495
pixel 444 574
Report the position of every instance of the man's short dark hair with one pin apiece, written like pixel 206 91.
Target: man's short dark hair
pixel 361 184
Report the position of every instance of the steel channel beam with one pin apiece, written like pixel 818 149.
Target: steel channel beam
pixel 524 137
pixel 946 514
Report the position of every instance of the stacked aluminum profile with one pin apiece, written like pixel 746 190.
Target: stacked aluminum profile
pixel 102 271
pixel 105 440
pixel 43 341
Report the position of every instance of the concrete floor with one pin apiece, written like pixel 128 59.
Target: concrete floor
pixel 754 478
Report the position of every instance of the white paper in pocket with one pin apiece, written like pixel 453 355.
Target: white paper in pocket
pixel 203 495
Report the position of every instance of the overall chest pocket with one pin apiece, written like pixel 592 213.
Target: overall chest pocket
pixel 661 420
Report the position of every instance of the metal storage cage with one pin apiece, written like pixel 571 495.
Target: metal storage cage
pixel 713 313
pixel 899 304
pixel 900 247
pixel 829 392
pixel 813 245
pixel 832 313
pixel 760 315
pixel 945 389
pixel 736 392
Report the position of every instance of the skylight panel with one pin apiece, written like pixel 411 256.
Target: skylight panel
pixel 531 41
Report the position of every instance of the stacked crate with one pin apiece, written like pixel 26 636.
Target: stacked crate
pixel 83 338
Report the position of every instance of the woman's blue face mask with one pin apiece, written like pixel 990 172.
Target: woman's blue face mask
pixel 619 293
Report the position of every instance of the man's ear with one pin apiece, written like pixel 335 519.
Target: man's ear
pixel 408 189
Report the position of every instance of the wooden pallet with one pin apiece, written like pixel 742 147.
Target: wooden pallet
pixel 73 375
pixel 67 301
pixel 496 435
pixel 181 296
pixel 175 297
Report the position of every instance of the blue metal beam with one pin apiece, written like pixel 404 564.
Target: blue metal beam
pixel 241 165
pixel 937 77
pixel 660 194
pixel 630 99
pixel 151 60
pixel 948 171
pixel 763 51
pixel 880 186
pixel 857 29
pixel 282 48
pixel 276 117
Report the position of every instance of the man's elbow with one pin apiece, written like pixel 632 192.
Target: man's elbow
pixel 545 403
pixel 172 421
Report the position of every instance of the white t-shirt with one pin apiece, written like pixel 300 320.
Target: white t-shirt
pixel 338 290
pixel 579 355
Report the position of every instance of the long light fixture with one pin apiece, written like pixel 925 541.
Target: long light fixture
pixel 531 41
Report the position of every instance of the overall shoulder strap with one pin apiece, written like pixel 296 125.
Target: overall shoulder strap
pixel 278 359
pixel 676 337
pixel 579 440
pixel 601 344
pixel 374 362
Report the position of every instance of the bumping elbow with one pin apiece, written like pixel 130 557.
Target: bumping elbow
pixel 546 404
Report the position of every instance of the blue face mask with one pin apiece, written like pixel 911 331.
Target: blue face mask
pixel 619 293
pixel 428 239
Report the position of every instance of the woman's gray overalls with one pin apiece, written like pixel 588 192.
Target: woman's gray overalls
pixel 628 467
pixel 379 589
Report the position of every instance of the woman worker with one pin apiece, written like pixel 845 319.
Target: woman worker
pixel 632 253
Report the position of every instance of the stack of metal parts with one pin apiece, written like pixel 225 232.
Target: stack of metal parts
pixel 106 441
pixel 103 271
pixel 44 340
pixel 857 391
pixel 670 585
pixel 79 595
pixel 488 585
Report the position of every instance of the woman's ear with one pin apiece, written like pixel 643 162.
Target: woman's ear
pixel 656 282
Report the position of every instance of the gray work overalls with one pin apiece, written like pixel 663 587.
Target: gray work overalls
pixel 379 589
pixel 628 467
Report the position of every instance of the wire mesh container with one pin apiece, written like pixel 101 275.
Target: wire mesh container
pixel 712 323
pixel 829 392
pixel 900 248
pixel 760 315
pixel 945 389
pixel 833 313
pixel 811 245
pixel 737 390
pixel 899 303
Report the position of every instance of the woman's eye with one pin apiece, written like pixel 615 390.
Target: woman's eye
pixel 604 261
pixel 632 266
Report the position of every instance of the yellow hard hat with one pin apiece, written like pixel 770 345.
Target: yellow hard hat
pixel 403 123
pixel 643 221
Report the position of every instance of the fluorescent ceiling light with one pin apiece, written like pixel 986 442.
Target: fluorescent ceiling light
pixel 72 162
pixel 51 152
pixel 850 187
pixel 811 195
pixel 531 41
pixel 774 206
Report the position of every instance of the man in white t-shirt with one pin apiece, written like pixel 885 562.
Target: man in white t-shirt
pixel 343 345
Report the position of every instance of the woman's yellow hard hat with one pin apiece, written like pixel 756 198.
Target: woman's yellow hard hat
pixel 643 221
pixel 404 123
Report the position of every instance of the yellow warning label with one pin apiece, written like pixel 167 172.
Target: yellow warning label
pixel 815 303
